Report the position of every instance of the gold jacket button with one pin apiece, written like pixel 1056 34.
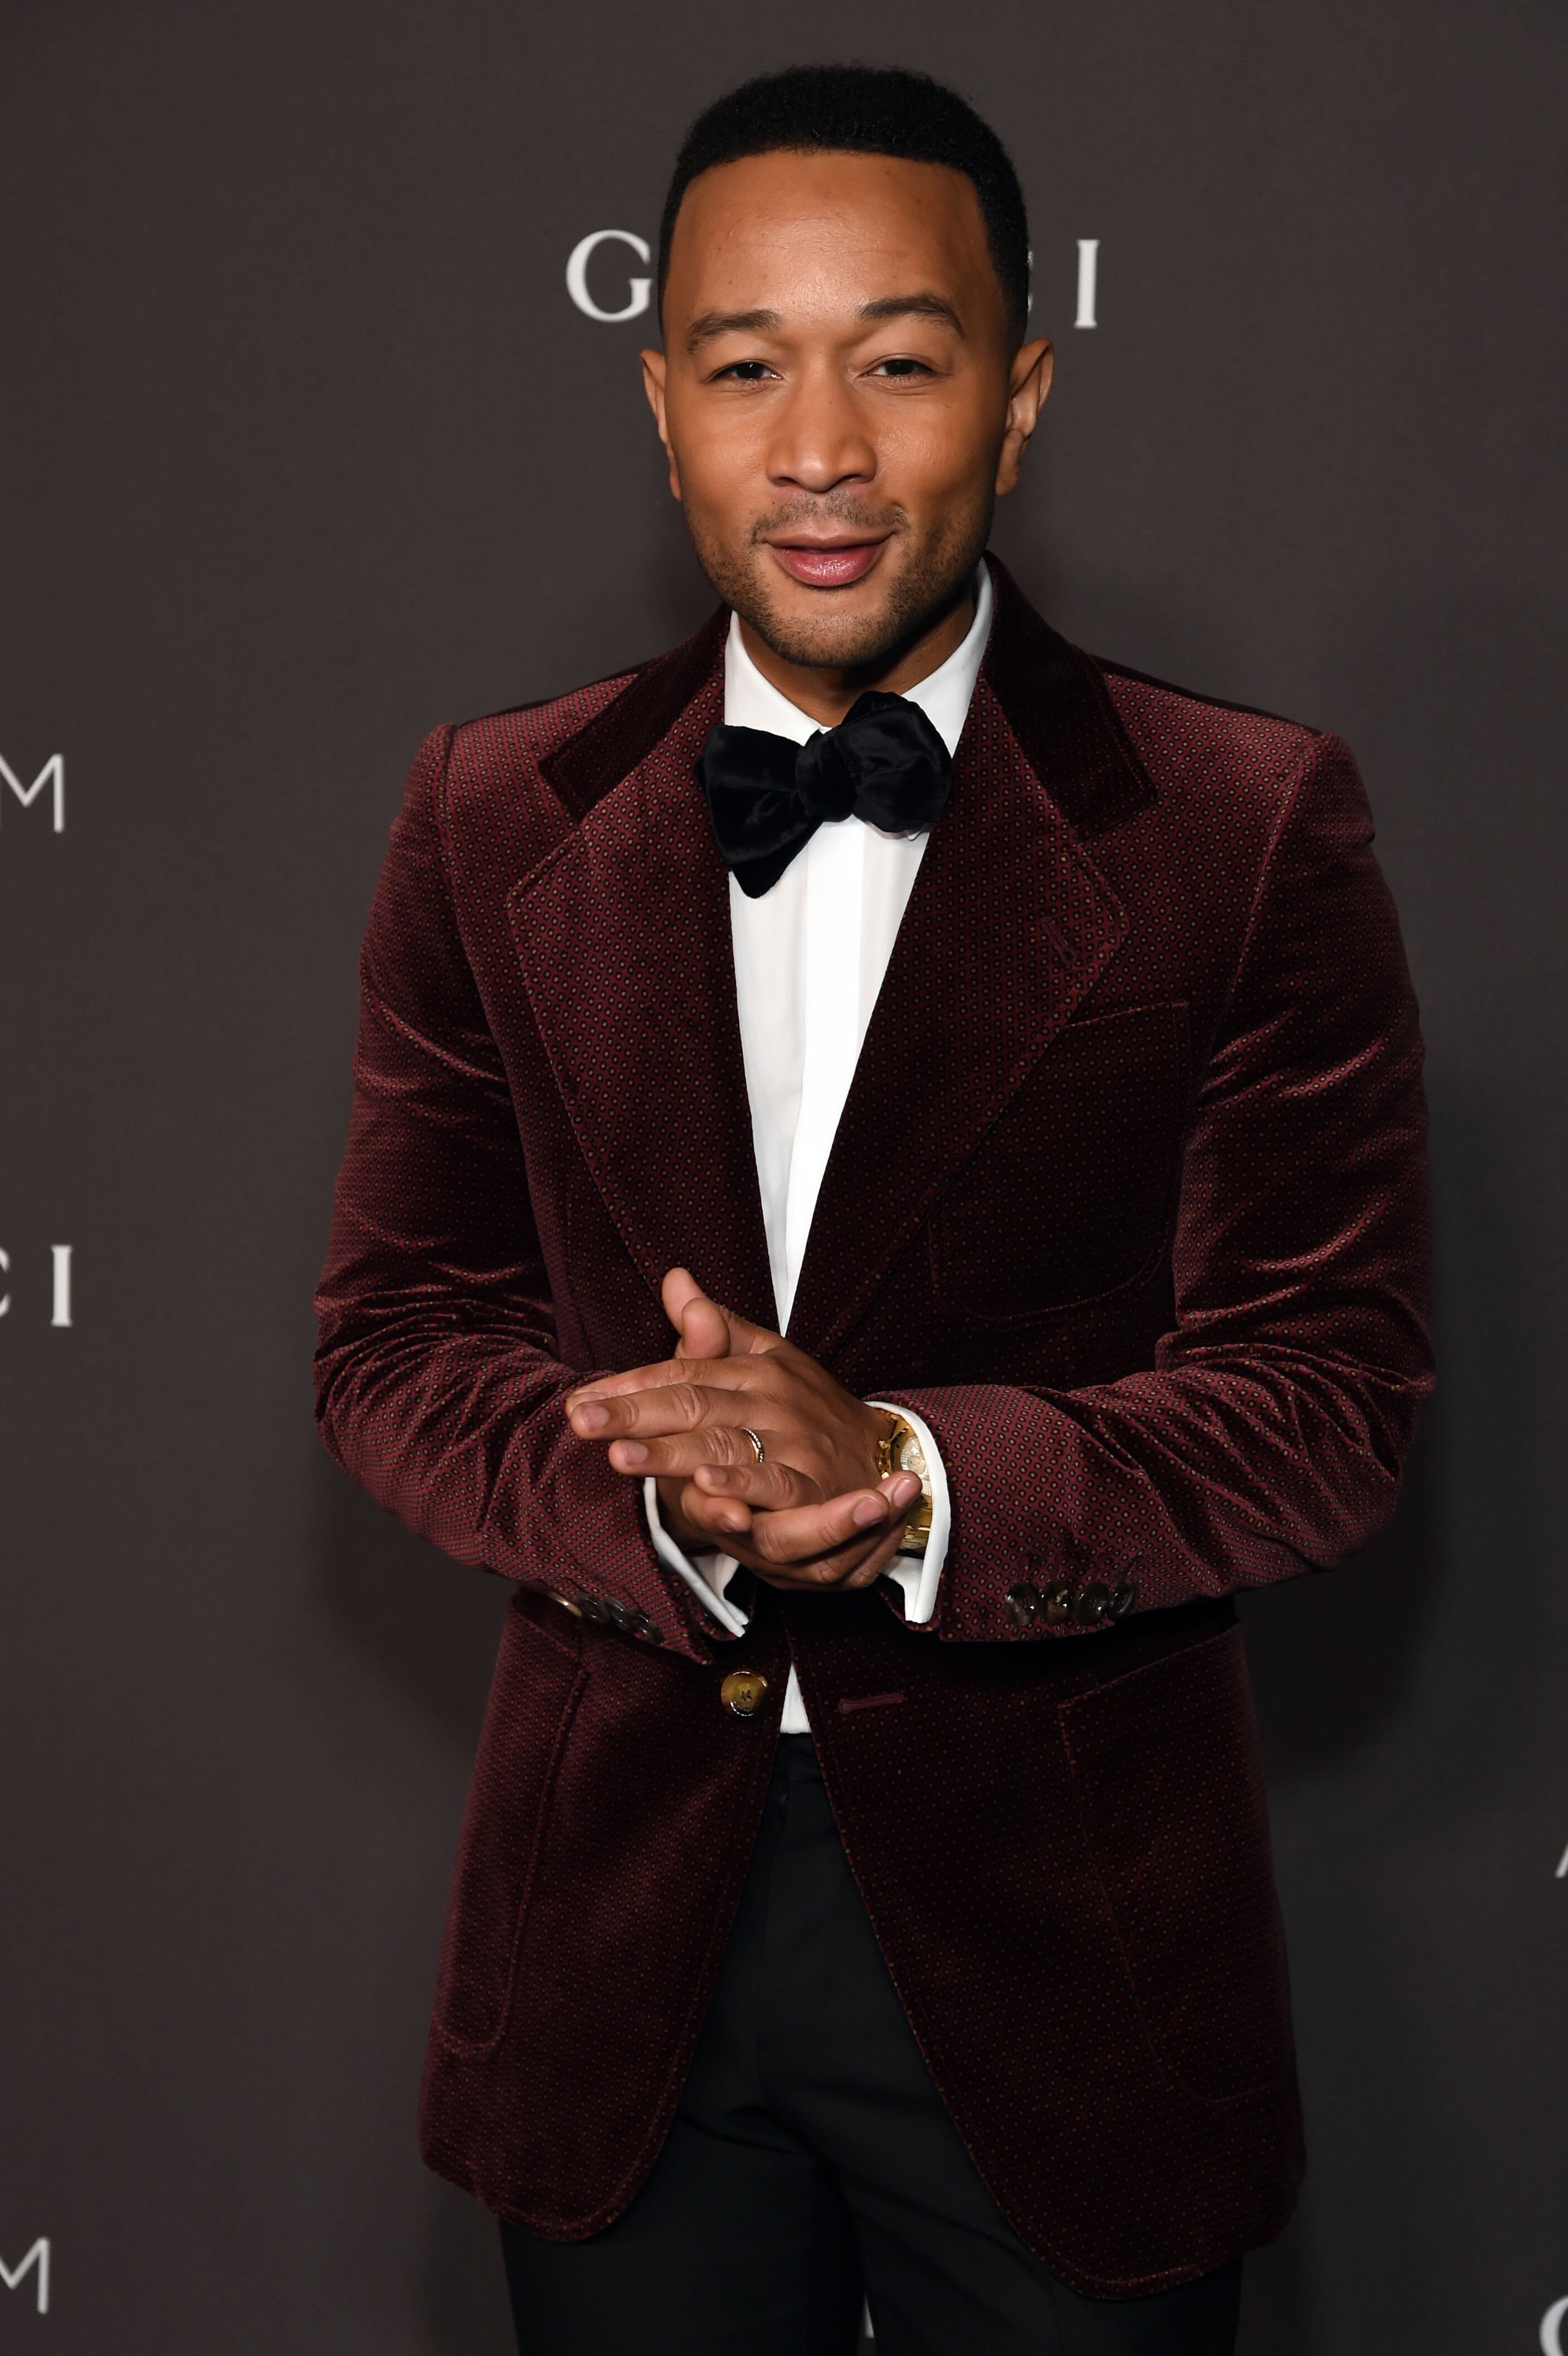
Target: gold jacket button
pixel 742 1692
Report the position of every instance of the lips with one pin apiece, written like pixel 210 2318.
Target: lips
pixel 828 564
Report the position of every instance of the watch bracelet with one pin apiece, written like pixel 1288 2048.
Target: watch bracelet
pixel 918 1528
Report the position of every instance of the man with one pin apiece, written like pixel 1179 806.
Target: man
pixel 866 1884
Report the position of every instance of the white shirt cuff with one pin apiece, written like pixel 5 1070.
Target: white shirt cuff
pixel 920 1575
pixel 708 1583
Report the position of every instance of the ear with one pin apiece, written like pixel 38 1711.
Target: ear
pixel 653 366
pixel 1028 385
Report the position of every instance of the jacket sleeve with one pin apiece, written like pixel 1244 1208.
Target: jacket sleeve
pixel 439 1386
pixel 1270 1435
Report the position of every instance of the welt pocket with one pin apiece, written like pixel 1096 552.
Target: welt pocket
pixel 538 1682
pixel 1071 1193
pixel 1170 1790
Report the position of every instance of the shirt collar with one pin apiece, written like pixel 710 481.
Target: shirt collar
pixel 753 701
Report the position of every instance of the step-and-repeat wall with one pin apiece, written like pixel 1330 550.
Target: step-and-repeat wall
pixel 322 425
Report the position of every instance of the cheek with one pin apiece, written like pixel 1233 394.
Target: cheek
pixel 721 455
pixel 939 457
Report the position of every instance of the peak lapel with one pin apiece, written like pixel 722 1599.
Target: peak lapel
pixel 1009 925
pixel 623 933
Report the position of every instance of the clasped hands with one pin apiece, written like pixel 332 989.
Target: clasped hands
pixel 812 1513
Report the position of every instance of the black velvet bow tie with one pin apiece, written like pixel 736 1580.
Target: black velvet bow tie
pixel 883 763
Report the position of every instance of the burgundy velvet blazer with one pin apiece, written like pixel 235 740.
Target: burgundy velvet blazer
pixel 1128 1200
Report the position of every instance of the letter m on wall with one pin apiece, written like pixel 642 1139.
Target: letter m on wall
pixel 52 774
pixel 38 2256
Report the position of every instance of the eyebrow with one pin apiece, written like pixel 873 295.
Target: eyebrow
pixel 919 307
pixel 712 324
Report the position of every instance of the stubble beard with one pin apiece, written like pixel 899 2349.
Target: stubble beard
pixel 923 589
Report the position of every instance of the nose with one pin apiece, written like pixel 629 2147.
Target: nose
pixel 821 442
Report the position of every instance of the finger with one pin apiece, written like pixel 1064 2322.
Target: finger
pixel 858 1565
pixel 722 1523
pixel 768 1485
pixel 769 1488
pixel 680 1404
pixel 712 1374
pixel 734 1525
pixel 705 1331
pixel 700 1322
pixel 696 1520
pixel 728 1521
pixel 802 1534
pixel 722 1463
pixel 636 1378
pixel 847 1571
pixel 748 1340
pixel 680 1289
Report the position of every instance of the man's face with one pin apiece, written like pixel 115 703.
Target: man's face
pixel 839 396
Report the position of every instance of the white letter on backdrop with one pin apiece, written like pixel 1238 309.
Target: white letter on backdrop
pixel 1088 276
pixel 577 276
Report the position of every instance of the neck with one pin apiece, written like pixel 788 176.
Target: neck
pixel 826 691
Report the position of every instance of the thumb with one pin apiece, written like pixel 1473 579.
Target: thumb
pixel 700 1322
pixel 707 1329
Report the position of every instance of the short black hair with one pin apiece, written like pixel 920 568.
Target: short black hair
pixel 865 111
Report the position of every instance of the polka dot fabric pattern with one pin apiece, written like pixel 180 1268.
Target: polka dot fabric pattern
pixel 1128 1202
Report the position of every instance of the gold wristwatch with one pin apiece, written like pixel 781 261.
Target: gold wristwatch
pixel 899 1450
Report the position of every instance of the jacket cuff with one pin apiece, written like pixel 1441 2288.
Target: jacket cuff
pixel 1013 1566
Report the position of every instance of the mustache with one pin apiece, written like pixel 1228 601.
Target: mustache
pixel 830 508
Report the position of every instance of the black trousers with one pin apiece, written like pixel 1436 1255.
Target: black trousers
pixel 812 2164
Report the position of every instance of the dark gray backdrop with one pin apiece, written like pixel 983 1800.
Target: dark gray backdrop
pixel 306 449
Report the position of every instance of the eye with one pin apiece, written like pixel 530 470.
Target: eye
pixel 743 372
pixel 901 367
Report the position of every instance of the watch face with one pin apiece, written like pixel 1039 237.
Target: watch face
pixel 910 1455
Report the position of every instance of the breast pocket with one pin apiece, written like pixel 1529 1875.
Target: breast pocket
pixel 1071 1193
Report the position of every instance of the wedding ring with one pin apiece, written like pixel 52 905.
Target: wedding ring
pixel 761 1452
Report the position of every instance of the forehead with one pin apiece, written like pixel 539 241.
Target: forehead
pixel 787 228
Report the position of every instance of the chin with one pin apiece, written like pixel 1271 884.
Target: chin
pixel 822 629
pixel 829 640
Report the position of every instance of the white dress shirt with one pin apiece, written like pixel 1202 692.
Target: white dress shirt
pixel 810 958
